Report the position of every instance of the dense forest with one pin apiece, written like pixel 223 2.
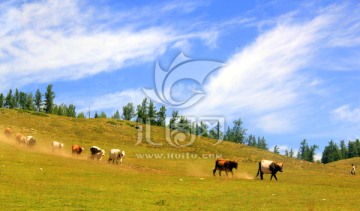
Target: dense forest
pixel 147 113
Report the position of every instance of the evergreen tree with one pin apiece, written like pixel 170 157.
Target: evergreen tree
pixel 142 111
pixel 276 150
pixel 17 99
pixel 305 152
pixel 152 113
pixel 203 130
pixel 29 105
pixel 331 153
pixel 21 100
pixel 237 133
pixel 251 140
pixel 49 99
pixel 343 150
pixel 38 100
pixel 291 153
pixel 9 100
pixel 1 100
pixel 128 111
pixel 173 120
pixel 71 111
pixel 102 115
pixel 116 115
pixel 261 143
pixel 286 153
pixel 81 115
pixel 184 125
pixel 96 115
pixel 161 116
pixel 352 149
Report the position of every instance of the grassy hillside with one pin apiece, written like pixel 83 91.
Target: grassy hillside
pixel 154 177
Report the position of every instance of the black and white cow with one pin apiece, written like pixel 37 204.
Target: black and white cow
pixel 30 141
pixel 269 167
pixel 116 155
pixel 97 153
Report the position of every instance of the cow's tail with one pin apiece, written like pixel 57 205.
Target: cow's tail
pixel 258 169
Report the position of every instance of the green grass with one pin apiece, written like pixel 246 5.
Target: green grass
pixel 41 180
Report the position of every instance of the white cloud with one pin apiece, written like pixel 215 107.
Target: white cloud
pixel 51 40
pixel 111 102
pixel 266 82
pixel 346 114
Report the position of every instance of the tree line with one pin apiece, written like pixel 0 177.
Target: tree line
pixel 147 113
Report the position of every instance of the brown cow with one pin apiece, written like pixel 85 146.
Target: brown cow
pixel 77 150
pixel 225 165
pixel 7 132
pixel 20 139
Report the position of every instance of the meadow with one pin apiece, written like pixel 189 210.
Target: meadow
pixel 154 177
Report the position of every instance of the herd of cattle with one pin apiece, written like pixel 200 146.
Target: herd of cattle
pixel 117 155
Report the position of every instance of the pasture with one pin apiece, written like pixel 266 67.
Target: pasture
pixel 154 177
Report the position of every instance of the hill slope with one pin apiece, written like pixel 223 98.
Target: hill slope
pixel 153 177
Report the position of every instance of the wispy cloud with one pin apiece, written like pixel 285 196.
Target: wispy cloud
pixel 44 41
pixel 268 82
pixel 346 114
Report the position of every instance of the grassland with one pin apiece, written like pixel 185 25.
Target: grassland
pixel 181 179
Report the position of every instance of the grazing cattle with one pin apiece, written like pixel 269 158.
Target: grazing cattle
pixel 30 141
pixel 116 155
pixel 76 149
pixel 225 165
pixel 7 132
pixel 269 167
pixel 97 153
pixel 20 139
pixel 57 146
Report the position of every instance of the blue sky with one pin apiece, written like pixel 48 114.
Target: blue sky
pixel 291 68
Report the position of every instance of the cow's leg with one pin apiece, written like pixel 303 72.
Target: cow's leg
pixel 214 171
pixel 275 176
pixel 220 173
pixel 226 174
pixel 261 175
pixel 232 173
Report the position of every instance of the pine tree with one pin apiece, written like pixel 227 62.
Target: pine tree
pixel 38 100
pixel 331 153
pixel 142 111
pixel 276 150
pixel 29 105
pixel 343 150
pixel 151 113
pixel 128 112
pixel 81 115
pixel 9 100
pixel 116 115
pixel 1 100
pixel 161 116
pixel 71 111
pixel 173 120
pixel 49 99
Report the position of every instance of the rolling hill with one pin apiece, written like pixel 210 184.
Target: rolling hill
pixel 154 176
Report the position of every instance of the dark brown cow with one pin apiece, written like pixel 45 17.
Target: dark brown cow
pixel 225 165
pixel 76 149
pixel 7 132
pixel 269 167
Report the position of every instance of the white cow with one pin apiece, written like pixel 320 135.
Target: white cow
pixel 57 146
pixel 116 155
pixel 30 141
